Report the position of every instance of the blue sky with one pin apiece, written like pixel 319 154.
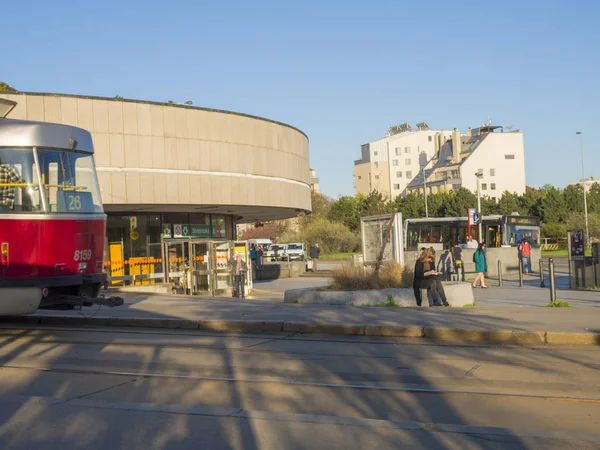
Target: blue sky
pixel 341 71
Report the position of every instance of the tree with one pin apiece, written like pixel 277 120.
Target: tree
pixel 5 87
pixel 347 210
pixel 574 198
pixel 510 203
pixel 269 230
pixel 460 202
pixel 375 204
pixel 576 221
pixel 332 237
pixel 531 202
pixel 553 208
pixel 412 206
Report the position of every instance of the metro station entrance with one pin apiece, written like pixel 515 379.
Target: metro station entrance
pixel 201 267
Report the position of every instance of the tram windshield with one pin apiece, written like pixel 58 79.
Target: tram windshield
pixel 64 182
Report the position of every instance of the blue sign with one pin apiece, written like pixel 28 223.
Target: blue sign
pixel 476 218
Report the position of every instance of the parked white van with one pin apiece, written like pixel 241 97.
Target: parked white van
pixel 297 251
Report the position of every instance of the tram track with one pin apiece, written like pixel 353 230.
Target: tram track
pixel 411 390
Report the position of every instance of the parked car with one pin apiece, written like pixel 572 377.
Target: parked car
pixel 275 252
pixel 295 251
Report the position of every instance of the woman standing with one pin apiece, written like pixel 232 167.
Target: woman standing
pixel 458 263
pixel 480 265
pixel 426 277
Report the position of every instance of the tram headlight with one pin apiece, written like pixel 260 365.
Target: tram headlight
pixel 4 254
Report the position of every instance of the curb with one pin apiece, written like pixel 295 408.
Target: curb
pixel 256 326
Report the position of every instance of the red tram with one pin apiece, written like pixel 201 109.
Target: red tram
pixel 52 225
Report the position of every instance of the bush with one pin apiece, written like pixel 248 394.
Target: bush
pixel 332 237
pixel 352 278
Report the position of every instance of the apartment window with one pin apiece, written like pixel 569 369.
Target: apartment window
pixel 484 186
pixel 455 187
pixel 375 153
pixel 409 174
pixel 492 172
pixel 509 156
pixel 359 177
pixel 398 174
pixel 398 151
pixel 429 138
pixel 493 186
pixel 407 162
pixel 377 177
pixel 376 164
pixel 395 162
pixel 396 186
pixel 406 149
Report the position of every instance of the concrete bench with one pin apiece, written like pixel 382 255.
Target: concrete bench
pixel 458 293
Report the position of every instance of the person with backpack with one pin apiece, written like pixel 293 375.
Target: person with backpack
pixel 459 269
pixel 525 255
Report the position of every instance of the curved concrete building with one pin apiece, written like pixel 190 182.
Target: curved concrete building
pixel 160 157
pixel 169 171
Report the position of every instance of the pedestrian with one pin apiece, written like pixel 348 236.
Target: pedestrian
pixel 240 269
pixel 254 256
pixel 315 252
pixel 525 255
pixel 260 257
pixel 459 268
pixel 426 277
pixel 480 266
pixel 472 243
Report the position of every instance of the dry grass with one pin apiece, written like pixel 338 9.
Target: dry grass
pixel 351 278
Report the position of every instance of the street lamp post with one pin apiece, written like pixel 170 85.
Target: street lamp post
pixel 478 175
pixel 585 209
pixel 425 192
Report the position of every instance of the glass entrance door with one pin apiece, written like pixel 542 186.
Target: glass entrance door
pixel 177 267
pixel 222 283
pixel 200 263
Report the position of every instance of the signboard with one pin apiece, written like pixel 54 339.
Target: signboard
pixel 134 235
pixel 471 215
pixel 181 230
pixel 167 231
pixel 576 245
pixel 476 218
pixel 200 231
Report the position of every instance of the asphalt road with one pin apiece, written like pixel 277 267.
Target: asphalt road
pixel 148 389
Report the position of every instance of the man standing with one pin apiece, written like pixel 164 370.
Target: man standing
pixel 315 252
pixel 472 243
pixel 525 253
pixel 240 269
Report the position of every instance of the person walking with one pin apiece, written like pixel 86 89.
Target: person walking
pixel 445 263
pixel 240 269
pixel 428 278
pixel 525 255
pixel 315 252
pixel 459 268
pixel 480 266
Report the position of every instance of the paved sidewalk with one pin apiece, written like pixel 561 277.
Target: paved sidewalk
pixel 499 324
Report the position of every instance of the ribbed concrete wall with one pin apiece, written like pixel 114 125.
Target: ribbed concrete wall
pixel 161 157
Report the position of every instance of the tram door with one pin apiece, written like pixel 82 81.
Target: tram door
pixel 177 267
pixel 200 268
pixel 222 283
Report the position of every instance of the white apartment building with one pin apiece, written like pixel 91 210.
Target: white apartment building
pixel 496 157
pixel 389 164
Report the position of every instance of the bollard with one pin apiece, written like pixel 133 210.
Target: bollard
pixel 570 281
pixel 499 273
pixel 551 277
pixel 520 272
pixel 542 283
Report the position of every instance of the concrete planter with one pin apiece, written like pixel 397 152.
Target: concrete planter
pixel 459 294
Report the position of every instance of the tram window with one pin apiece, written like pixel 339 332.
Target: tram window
pixel 436 234
pixel 19 186
pixel 70 183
